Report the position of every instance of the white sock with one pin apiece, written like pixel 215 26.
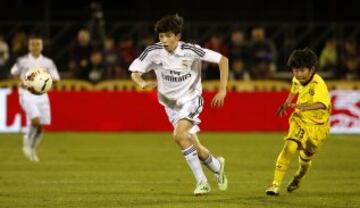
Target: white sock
pixel 36 140
pixel 193 161
pixel 29 136
pixel 212 163
pixel 26 141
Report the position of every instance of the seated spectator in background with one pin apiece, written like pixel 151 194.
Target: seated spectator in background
pixel 238 71
pixel 96 67
pixel 328 60
pixel 112 61
pixel 262 55
pixel 146 41
pixel 238 53
pixel 127 51
pixel 19 46
pixel 80 54
pixel 217 44
pixel 4 59
pixel 350 60
pixel 96 25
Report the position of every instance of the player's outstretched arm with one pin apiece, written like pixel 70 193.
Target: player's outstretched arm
pixel 281 111
pixel 136 77
pixel 218 100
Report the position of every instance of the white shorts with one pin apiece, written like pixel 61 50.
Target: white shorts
pixel 35 106
pixel 190 111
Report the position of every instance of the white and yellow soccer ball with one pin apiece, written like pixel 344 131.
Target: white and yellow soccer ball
pixel 38 81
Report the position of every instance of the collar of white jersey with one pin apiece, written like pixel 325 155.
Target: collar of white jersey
pixel 33 58
pixel 178 51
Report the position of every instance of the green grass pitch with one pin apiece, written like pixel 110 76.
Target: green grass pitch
pixel 148 170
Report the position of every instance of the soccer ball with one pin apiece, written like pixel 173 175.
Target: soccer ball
pixel 38 81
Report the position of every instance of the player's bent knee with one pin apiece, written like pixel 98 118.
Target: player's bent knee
pixel 180 136
pixel 290 147
pixel 36 122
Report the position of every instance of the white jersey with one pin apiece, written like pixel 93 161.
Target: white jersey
pixel 35 105
pixel 27 62
pixel 178 74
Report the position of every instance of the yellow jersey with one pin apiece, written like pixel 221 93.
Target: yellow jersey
pixel 314 91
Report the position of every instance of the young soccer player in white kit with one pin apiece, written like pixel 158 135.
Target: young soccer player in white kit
pixel 36 107
pixel 177 66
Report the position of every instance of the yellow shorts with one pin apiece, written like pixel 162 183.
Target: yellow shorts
pixel 310 137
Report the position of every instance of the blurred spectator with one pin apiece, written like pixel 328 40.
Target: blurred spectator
pixel 328 60
pixel 238 53
pixel 96 67
pixel 112 61
pixel 238 71
pixel 4 58
pixel 262 55
pixel 80 53
pixel 97 25
pixel 127 51
pixel 19 46
pixel 146 41
pixel 350 60
pixel 217 44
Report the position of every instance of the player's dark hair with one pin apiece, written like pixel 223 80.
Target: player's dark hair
pixel 302 58
pixel 170 23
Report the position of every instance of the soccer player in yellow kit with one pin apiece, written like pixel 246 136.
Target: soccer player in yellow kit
pixel 309 123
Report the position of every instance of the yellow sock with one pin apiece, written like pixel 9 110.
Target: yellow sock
pixel 283 161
